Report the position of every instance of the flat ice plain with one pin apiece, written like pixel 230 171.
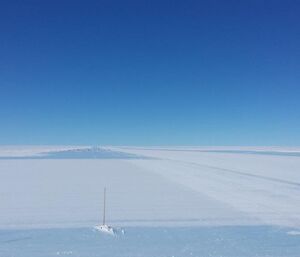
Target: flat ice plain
pixel 179 201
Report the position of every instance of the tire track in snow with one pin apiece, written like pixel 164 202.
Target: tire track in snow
pixel 242 173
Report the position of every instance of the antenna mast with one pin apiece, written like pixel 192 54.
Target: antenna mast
pixel 104 203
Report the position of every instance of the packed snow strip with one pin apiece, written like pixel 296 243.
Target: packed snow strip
pixel 168 188
pixel 262 186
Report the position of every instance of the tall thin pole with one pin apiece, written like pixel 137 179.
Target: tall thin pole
pixel 104 203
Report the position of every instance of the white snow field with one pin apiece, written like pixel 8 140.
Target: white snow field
pixel 261 187
pixel 172 201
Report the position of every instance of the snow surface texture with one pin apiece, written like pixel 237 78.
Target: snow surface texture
pixel 264 185
pixel 151 242
pixel 33 151
pixel 149 186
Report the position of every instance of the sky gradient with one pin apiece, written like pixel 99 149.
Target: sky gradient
pixel 150 72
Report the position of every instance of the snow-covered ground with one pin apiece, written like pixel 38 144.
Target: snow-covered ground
pixel 160 187
pixel 172 201
pixel 245 241
pixel 263 185
pixel 34 151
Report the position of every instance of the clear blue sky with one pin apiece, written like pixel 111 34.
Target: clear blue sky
pixel 150 72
